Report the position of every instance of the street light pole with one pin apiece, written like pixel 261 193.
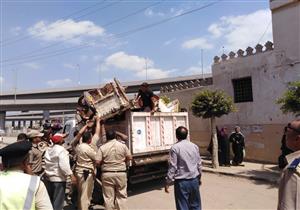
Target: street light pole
pixel 78 66
pixel 146 62
pixel 16 84
pixel 202 63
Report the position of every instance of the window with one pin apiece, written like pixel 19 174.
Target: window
pixel 242 90
pixel 67 129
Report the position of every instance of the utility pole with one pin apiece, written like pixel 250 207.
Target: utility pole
pixel 16 84
pixel 146 62
pixel 202 64
pixel 78 66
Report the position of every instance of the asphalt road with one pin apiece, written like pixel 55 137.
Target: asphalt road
pixel 217 192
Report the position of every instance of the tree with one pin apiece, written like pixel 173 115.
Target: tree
pixel 165 99
pixel 212 104
pixel 290 101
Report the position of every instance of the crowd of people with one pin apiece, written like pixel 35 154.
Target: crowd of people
pixel 37 168
pixel 48 167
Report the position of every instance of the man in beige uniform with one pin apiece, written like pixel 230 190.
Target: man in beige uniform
pixel 112 156
pixel 85 165
pixel 289 188
pixel 36 154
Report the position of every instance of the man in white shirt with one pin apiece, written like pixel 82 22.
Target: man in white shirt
pixel 57 170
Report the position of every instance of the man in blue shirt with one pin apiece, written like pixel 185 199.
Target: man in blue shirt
pixel 185 170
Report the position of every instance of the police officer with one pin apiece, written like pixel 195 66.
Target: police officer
pixel 289 186
pixel 36 153
pixel 112 156
pixel 85 170
pixel 19 188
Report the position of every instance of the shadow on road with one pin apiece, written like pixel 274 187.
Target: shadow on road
pixel 259 177
pixel 146 187
pixel 132 191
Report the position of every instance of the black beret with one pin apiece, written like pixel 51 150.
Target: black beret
pixel 16 150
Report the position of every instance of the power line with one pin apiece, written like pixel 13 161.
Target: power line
pixel 262 36
pixel 124 34
pixel 33 52
pixel 52 55
pixel 60 24
pixel 131 14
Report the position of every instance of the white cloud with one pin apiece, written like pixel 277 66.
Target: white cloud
pixel 243 30
pixel 124 61
pixel 200 43
pixel 65 29
pixel 134 64
pixel 16 30
pixel 32 65
pixel 215 30
pixel 59 82
pixel 1 80
pixel 153 73
pixel 198 70
pixel 173 11
pixel 170 41
pixel 151 13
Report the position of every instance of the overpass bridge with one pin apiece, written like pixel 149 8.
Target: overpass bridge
pixel 66 98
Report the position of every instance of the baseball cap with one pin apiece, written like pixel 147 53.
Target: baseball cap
pixel 56 138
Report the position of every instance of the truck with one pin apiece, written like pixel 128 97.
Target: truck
pixel 150 136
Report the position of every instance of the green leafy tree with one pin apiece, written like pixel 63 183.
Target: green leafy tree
pixel 212 104
pixel 165 99
pixel 290 101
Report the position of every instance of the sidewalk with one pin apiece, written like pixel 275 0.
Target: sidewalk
pixel 255 171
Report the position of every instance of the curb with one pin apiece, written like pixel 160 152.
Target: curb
pixel 272 181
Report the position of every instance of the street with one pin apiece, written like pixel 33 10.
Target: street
pixel 217 192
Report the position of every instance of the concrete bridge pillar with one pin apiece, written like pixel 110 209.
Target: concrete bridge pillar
pixel 2 120
pixel 46 115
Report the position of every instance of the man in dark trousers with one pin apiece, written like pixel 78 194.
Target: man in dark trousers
pixel 185 170
pixel 238 145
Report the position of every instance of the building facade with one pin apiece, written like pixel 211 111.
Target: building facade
pixel 255 78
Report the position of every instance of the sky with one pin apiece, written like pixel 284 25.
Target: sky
pixel 56 44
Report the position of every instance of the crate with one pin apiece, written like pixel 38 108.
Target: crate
pixel 109 100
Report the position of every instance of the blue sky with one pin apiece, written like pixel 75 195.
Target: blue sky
pixel 53 44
